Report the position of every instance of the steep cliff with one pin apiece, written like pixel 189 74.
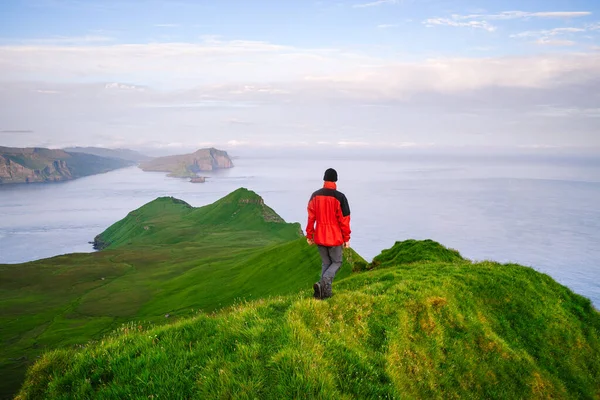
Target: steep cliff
pixel 28 165
pixel 187 165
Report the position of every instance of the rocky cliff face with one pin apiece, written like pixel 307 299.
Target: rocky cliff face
pixel 187 165
pixel 13 172
pixel 30 165
pixel 208 161
pixel 57 171
pixel 9 169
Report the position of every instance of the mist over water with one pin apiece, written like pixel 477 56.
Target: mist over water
pixel 536 211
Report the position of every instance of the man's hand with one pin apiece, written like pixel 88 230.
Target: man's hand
pixel 310 241
pixel 346 245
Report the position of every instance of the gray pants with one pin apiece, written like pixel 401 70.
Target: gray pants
pixel 332 261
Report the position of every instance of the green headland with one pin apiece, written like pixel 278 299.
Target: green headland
pixel 215 302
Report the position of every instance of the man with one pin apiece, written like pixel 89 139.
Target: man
pixel 329 209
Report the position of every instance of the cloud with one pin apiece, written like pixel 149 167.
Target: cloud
pixel 538 146
pixel 480 21
pixel 286 73
pixel 567 112
pixel 548 32
pixel 547 36
pixel 16 131
pixel 431 22
pixel 64 40
pixel 554 42
pixel 258 89
pixel 378 144
pixel 122 86
pixel 207 91
pixel 237 121
pixel 201 104
pixel 387 26
pixel 441 101
pixel 399 80
pixel 237 143
pixel 524 15
pixel 375 3
pixel 353 144
pixel 45 91
pixel 175 64
pixel 561 14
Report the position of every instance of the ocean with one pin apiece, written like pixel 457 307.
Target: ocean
pixel 538 211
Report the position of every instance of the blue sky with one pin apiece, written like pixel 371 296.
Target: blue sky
pixel 300 73
pixel 387 28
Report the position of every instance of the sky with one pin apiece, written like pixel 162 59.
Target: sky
pixel 407 74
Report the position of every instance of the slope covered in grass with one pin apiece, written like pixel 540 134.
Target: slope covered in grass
pixel 426 329
pixel 410 251
pixel 164 258
pixel 165 221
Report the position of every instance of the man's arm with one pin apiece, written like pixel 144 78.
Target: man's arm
pixel 310 226
pixel 344 219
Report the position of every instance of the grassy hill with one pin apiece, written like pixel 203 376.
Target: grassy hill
pixel 423 323
pixel 164 258
pixel 28 165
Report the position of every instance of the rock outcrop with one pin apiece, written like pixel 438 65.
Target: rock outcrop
pixel 14 172
pixel 29 165
pixel 188 165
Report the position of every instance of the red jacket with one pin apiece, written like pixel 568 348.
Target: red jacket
pixel 330 210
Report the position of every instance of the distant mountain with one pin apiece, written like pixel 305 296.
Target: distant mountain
pixel 123 154
pixel 188 165
pixel 28 165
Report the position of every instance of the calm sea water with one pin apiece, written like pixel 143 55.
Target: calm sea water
pixel 538 211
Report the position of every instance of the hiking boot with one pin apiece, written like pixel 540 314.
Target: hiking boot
pixel 326 290
pixel 318 291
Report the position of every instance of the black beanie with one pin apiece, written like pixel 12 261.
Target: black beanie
pixel 330 175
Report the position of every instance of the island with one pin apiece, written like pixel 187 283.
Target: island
pixel 36 164
pixel 123 154
pixel 188 165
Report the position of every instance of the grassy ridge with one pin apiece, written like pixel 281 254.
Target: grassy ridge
pixel 188 258
pixel 428 329
pixel 239 220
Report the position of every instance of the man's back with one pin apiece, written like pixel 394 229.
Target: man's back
pixel 328 208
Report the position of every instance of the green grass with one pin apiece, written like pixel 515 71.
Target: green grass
pixel 429 330
pixel 235 279
pixel 188 259
pixel 410 251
